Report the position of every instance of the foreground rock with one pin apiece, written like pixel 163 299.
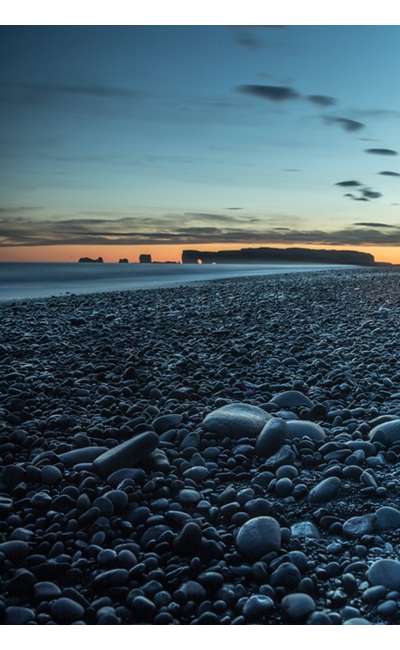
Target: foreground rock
pixel 127 454
pixel 236 420
pixel 259 536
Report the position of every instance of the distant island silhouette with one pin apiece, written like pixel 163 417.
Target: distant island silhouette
pixel 89 260
pixel 268 255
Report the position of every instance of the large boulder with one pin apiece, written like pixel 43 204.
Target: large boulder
pixel 127 454
pixel 237 420
pixel 258 536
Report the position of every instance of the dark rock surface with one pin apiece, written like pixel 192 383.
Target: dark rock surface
pixel 168 531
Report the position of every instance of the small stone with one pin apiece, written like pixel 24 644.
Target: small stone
pixel 298 429
pixel 325 490
pixel 271 437
pixel 305 529
pixel 66 610
pixel 51 475
pixel 297 607
pixel 387 518
pixel 386 433
pixel 386 573
pixel 358 526
pixel 292 399
pixel 257 607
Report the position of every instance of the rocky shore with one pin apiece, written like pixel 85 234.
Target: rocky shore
pixel 220 453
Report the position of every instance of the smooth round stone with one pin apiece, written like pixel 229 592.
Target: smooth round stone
pixel 257 607
pixel 196 474
pixel 50 474
pixel 15 550
pixel 358 526
pixel 291 399
pixel 298 429
pixel 386 573
pixel 46 591
pixel 271 437
pixel 166 422
pixel 135 474
pixel 386 433
pixel 305 529
pixel 237 420
pixel 284 487
pixel 357 621
pixel 111 578
pixel 18 615
pixel 143 609
pixel 189 497
pixel 66 610
pixel 387 518
pixel 118 498
pixel 387 609
pixel 286 575
pixel 297 607
pixel 325 490
pixel 259 536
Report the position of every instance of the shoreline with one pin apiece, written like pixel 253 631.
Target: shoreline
pixel 156 532
pixel 166 284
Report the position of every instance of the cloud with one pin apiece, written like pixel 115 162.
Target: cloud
pixel 389 173
pixel 271 93
pixel 37 90
pixel 373 224
pixel 344 122
pixel 348 184
pixel 248 40
pixel 370 194
pixel 321 100
pixel 382 152
pixel 27 231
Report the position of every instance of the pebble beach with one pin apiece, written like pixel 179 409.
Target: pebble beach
pixel 223 453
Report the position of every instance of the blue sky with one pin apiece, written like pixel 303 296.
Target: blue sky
pixel 152 134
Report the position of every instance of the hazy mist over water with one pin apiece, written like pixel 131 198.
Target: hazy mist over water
pixel 41 280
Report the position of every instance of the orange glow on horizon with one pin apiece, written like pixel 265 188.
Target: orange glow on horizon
pixel 163 253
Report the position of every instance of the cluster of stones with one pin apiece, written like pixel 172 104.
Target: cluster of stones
pixel 275 505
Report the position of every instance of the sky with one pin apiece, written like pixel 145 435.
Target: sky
pixel 121 140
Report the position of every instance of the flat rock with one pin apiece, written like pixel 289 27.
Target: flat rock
pixel 236 420
pixel 127 454
pixel 305 529
pixel 358 526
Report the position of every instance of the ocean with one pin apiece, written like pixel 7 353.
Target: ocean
pixel 41 280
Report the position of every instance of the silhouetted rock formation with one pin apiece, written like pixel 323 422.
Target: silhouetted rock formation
pixel 89 260
pixel 144 258
pixel 268 255
pixel 123 260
